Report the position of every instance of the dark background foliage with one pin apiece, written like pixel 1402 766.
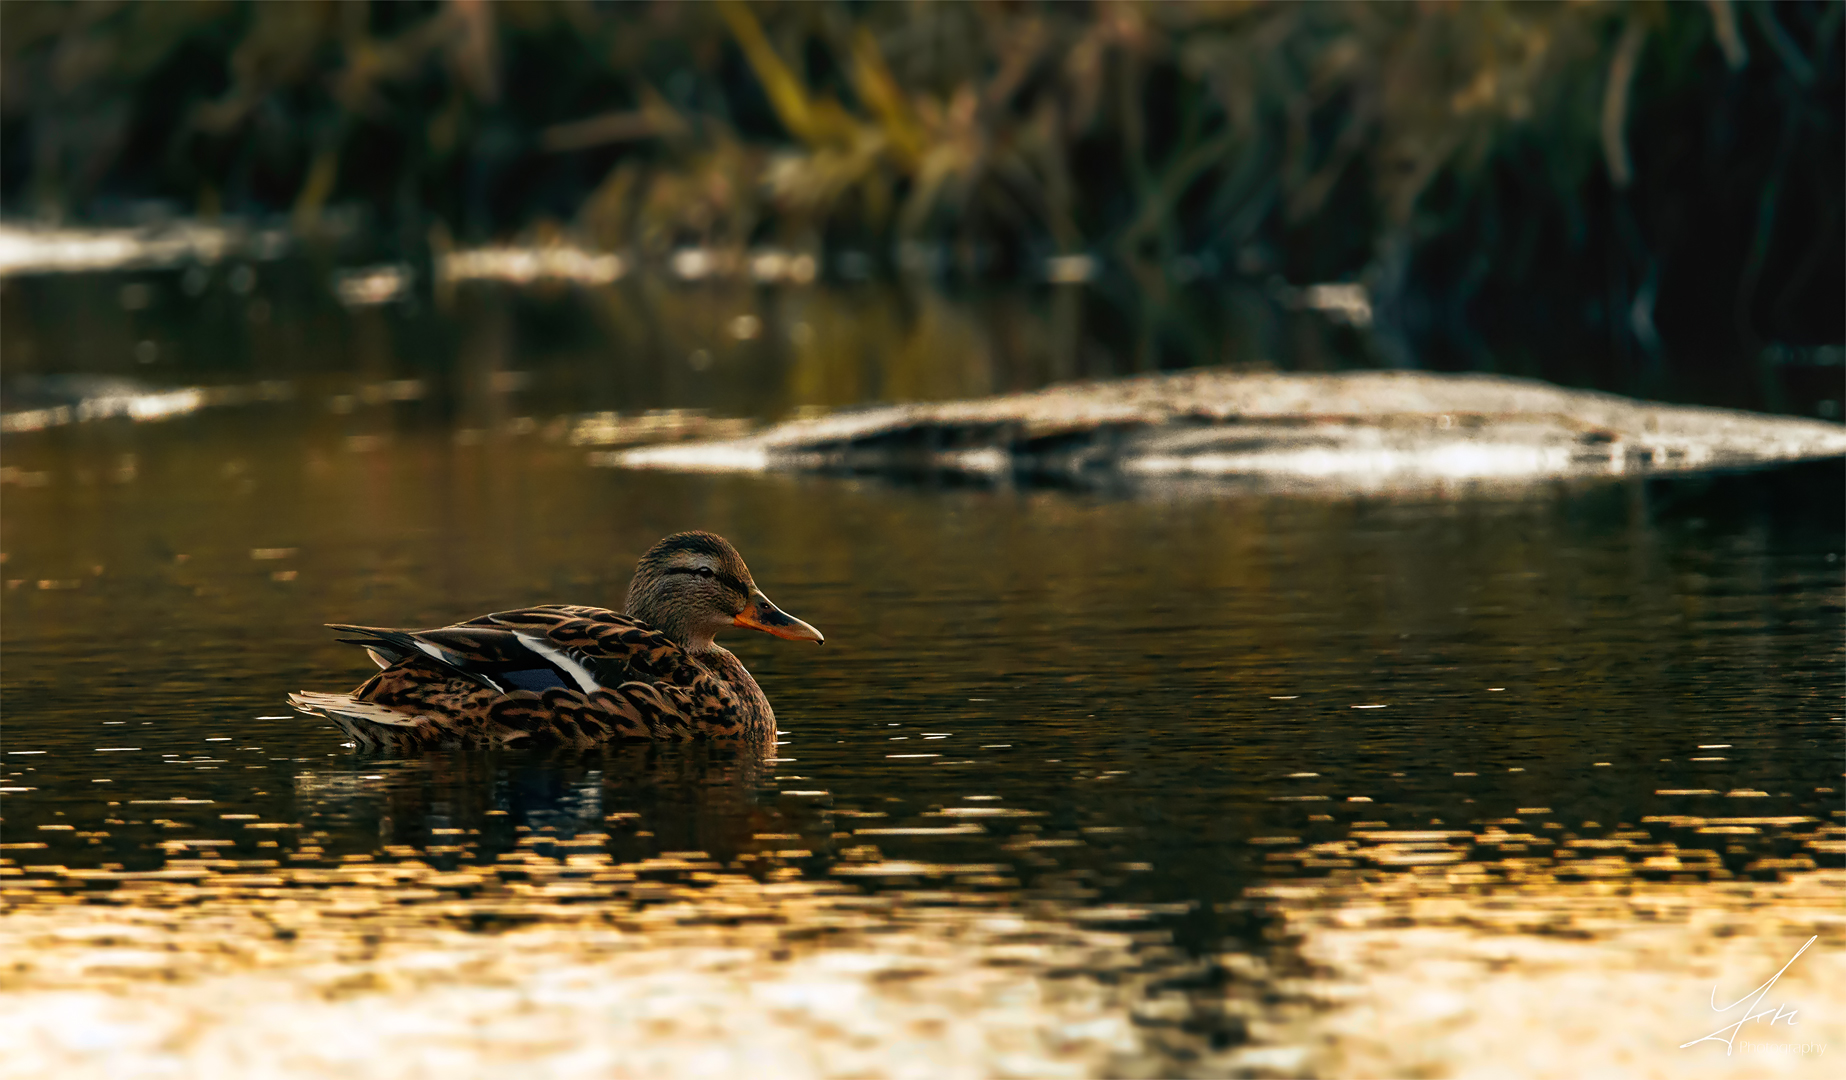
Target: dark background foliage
pixel 1662 179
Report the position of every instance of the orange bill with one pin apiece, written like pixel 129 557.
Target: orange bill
pixel 762 615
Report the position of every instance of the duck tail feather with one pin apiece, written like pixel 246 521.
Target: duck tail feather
pixel 375 636
pixel 344 707
pixel 396 645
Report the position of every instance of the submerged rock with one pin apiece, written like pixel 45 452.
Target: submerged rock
pixel 1360 429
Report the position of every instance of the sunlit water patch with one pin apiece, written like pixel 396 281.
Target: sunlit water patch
pixel 559 960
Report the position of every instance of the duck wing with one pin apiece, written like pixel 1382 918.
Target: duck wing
pixel 539 660
pixel 578 648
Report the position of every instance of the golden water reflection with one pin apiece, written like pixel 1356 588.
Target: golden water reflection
pixel 1455 971
pixel 559 960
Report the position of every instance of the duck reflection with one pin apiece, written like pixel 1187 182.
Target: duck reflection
pixel 632 799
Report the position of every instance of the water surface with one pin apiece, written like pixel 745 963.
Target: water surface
pixel 1029 805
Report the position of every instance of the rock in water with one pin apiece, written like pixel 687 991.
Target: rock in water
pixel 1357 430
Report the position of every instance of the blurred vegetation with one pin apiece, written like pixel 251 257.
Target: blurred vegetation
pixel 1662 172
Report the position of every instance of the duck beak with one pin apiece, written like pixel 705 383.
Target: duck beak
pixel 762 615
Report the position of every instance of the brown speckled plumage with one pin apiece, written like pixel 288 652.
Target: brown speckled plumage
pixel 562 675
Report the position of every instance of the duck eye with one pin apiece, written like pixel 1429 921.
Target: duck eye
pixel 703 571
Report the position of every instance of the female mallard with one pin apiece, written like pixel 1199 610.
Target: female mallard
pixel 575 676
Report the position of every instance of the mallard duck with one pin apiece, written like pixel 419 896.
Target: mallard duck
pixel 575 676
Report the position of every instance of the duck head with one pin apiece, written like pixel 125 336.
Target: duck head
pixel 694 584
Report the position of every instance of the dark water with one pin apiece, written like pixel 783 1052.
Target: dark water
pixel 1155 697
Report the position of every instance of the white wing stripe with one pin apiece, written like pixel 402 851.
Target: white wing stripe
pixel 443 656
pixel 562 661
